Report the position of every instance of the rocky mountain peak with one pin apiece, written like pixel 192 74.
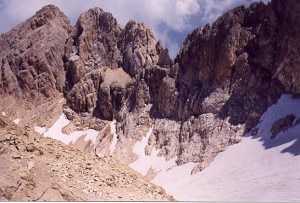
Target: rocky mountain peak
pixel 140 48
pixel 29 66
pixel 230 71
pixel 47 14
pixel 221 82
pixel 96 37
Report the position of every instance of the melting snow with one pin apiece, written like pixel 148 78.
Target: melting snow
pixel 3 113
pixel 40 130
pixel 115 137
pixel 144 163
pixel 17 121
pixel 256 169
pixel 55 132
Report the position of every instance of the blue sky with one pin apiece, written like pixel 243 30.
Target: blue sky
pixel 170 20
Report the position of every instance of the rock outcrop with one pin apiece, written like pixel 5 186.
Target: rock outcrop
pixel 31 55
pixel 227 75
pixel 282 124
pixel 221 82
pixel 106 63
pixel 34 168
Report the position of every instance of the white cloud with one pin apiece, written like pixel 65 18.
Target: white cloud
pixel 212 9
pixel 170 42
pixel 165 17
pixel 187 7
pixel 155 12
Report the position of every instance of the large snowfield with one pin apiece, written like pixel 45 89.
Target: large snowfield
pixel 256 169
pixel 56 132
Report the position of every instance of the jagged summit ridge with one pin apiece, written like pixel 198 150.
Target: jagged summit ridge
pixel 221 82
pixel 31 55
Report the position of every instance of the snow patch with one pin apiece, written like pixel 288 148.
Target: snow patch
pixel 256 169
pixel 286 105
pixel 115 137
pixel 17 121
pixel 40 130
pixel 55 132
pixel 3 113
pixel 74 57
pixel 144 163
pixel 90 134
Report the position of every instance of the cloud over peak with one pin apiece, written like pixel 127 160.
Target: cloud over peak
pixel 187 7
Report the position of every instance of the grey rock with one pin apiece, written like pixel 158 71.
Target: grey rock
pixel 32 53
pixel 164 59
pixel 282 124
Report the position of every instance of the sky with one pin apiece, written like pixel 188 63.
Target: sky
pixel 170 20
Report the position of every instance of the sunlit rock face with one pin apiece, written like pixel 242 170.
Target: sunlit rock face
pixel 31 55
pixel 221 82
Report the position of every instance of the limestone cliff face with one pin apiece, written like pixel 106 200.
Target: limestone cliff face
pixel 228 74
pixel 223 79
pixel 246 60
pixel 31 55
pixel 106 64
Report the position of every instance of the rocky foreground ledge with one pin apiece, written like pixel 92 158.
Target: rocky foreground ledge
pixel 34 168
pixel 222 81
